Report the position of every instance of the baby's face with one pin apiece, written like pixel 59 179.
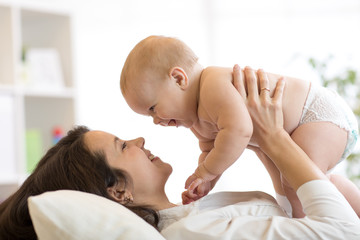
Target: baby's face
pixel 162 99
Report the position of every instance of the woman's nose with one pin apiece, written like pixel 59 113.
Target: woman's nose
pixel 140 142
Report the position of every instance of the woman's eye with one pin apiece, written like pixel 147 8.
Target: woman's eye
pixel 123 146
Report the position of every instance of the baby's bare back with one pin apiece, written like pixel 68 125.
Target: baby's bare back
pixel 294 96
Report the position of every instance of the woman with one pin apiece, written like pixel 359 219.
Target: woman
pixel 70 164
pixel 126 172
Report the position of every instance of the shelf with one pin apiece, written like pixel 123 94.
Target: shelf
pixel 32 105
pixel 6 89
pixel 45 113
pixel 7 138
pixel 45 30
pixel 38 92
pixel 7 189
pixel 48 92
pixel 6 46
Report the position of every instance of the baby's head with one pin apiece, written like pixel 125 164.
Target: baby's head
pixel 155 56
pixel 146 77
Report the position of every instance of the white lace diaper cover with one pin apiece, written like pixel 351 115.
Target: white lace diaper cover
pixel 325 105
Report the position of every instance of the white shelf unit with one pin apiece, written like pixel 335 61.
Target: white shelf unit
pixel 24 106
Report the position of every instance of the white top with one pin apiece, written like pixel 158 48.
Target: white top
pixel 255 215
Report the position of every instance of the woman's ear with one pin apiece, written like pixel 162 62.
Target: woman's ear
pixel 179 75
pixel 122 196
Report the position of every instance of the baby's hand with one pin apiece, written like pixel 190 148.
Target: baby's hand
pixel 189 196
pixel 201 190
pixel 199 183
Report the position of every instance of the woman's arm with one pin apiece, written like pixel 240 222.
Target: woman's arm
pixel 329 215
pixel 267 117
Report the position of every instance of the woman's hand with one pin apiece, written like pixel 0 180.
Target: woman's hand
pixel 274 141
pixel 265 111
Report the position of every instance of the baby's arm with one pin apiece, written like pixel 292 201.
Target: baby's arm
pixel 227 110
pixel 204 188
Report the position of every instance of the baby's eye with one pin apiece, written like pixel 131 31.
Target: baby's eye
pixel 123 146
pixel 152 108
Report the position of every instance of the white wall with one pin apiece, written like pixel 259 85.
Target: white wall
pixel 277 35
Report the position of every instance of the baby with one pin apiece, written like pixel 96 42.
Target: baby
pixel 162 78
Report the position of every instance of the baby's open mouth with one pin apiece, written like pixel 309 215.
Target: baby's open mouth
pixel 172 122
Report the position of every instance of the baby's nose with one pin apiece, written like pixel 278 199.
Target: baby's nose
pixel 156 120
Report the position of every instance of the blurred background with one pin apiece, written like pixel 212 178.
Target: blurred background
pixel 290 37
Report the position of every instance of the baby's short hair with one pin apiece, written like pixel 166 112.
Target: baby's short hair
pixel 158 54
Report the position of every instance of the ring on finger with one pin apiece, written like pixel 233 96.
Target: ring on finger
pixel 265 89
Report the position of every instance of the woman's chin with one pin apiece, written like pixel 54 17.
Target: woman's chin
pixel 167 171
pixel 170 169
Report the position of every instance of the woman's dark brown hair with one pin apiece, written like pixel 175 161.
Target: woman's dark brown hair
pixel 67 165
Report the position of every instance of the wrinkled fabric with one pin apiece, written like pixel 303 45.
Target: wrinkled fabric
pixel 257 216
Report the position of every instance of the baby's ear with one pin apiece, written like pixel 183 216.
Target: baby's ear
pixel 180 77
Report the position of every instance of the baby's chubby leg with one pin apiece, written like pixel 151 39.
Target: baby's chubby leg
pixel 348 189
pixel 324 143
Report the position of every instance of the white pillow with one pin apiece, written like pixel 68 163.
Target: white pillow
pixel 67 214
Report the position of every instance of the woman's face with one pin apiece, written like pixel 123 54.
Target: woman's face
pixel 149 174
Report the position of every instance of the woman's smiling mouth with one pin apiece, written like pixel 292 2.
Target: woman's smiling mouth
pixel 153 158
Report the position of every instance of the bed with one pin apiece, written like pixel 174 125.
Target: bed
pixel 74 215
pixel 66 214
